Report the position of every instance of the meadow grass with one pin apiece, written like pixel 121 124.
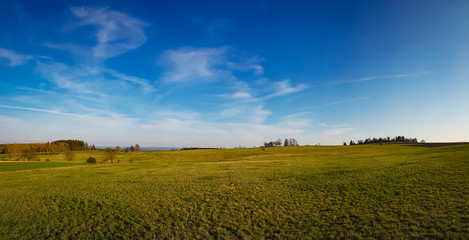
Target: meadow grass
pixel 17 166
pixel 353 192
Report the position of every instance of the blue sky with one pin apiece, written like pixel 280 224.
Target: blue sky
pixel 229 73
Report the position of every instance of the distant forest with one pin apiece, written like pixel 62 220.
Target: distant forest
pixel 398 139
pixel 49 147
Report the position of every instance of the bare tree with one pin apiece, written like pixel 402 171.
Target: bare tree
pixel 109 154
pixel 69 155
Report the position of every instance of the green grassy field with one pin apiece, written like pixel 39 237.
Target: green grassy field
pixel 352 192
pixel 18 166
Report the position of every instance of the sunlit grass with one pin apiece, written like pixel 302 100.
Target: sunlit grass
pixel 387 192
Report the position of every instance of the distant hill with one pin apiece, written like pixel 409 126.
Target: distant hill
pixel 145 148
pixel 159 148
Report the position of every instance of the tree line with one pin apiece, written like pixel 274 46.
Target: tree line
pixel 49 147
pixel 28 151
pixel 278 143
pixel 132 148
pixel 398 139
pixel 109 153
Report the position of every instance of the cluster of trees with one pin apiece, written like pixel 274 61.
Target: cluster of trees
pixel 132 148
pixel 290 142
pixel 278 143
pixel 398 139
pixel 110 153
pixel 75 145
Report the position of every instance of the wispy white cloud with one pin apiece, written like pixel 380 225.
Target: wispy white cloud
pixel 246 64
pixel 189 64
pixel 253 113
pixel 72 79
pixel 117 32
pixel 143 83
pixel 284 87
pixel 239 95
pixel 59 94
pixel 298 121
pixel 36 90
pixel 78 50
pixel 206 64
pixel 101 118
pixel 240 92
pixel 380 77
pixel 265 90
pixel 24 99
pixel 241 105
pixel 89 79
pixel 13 58
pixel 37 110
pixel 245 103
pixel 332 103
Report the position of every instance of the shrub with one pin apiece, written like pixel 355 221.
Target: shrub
pixel 91 160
